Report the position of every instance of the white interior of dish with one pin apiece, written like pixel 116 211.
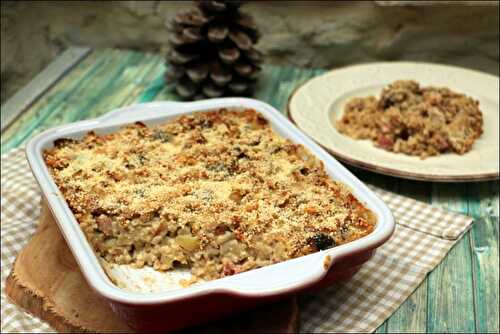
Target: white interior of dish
pixel 270 280
pixel 145 279
pixel 317 103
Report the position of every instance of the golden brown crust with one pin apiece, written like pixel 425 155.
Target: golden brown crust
pixel 419 121
pixel 217 191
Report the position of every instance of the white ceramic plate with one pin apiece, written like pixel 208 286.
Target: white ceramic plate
pixel 315 104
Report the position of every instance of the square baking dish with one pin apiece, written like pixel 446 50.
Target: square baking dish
pixel 182 307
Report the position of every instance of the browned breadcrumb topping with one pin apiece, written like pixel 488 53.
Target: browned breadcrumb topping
pixel 414 120
pixel 217 191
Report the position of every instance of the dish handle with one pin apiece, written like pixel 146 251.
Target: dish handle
pixel 271 280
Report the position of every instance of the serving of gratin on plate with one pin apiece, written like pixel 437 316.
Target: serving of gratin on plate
pixel 414 120
pixel 419 121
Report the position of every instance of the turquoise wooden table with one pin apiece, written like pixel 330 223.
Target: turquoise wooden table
pixel 460 295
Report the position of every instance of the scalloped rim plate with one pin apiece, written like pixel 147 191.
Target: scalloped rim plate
pixel 316 104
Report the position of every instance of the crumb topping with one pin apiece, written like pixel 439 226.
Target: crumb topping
pixel 414 120
pixel 217 191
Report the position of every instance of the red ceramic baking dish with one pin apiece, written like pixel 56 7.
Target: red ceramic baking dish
pixel 179 307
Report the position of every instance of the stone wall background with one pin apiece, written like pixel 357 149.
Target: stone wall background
pixel 302 33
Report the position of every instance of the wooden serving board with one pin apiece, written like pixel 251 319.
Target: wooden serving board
pixel 46 281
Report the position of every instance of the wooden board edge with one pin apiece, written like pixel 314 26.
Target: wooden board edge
pixel 37 305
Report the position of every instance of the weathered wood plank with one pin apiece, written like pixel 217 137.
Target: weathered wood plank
pixel 268 83
pixel 484 244
pixel 290 79
pixel 129 83
pixel 109 88
pixel 114 81
pixel 81 104
pixel 483 198
pixel 382 328
pixel 450 293
pixel 479 200
pixel 450 304
pixel 18 103
pixel 153 90
pixel 160 90
pixel 63 92
pixel 450 196
pixel 411 316
pixel 71 81
pixel 483 203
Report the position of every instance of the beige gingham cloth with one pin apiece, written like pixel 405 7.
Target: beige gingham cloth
pixel 423 236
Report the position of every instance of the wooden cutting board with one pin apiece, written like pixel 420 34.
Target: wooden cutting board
pixel 46 281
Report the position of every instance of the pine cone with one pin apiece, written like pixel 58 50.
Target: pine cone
pixel 212 51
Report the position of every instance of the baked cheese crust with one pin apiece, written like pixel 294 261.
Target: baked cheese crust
pixel 219 192
pixel 414 120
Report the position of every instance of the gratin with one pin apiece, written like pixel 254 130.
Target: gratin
pixel 414 120
pixel 219 192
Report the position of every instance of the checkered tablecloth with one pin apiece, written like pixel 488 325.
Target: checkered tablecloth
pixel 423 236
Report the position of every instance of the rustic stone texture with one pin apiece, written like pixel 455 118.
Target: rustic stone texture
pixel 318 34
